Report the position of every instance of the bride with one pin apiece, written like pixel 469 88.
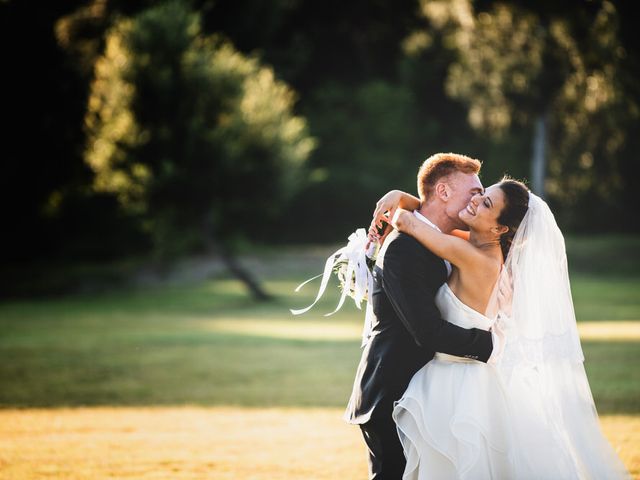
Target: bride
pixel 529 414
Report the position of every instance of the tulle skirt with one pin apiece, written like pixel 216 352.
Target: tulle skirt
pixel 458 419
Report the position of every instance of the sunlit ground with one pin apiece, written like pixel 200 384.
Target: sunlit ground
pixel 204 443
pixel 621 331
pixel 179 443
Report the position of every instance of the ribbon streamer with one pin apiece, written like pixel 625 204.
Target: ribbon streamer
pixel 355 255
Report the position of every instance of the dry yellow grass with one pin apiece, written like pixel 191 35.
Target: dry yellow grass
pixel 203 443
pixel 623 431
pixel 178 443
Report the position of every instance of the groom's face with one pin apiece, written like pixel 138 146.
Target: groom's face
pixel 463 186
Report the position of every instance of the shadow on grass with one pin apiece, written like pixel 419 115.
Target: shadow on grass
pixel 216 368
pixel 613 375
pixel 184 368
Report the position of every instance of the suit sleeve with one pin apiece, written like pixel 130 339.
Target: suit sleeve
pixel 411 285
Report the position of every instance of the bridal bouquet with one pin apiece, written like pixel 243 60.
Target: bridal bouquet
pixel 353 265
pixel 347 274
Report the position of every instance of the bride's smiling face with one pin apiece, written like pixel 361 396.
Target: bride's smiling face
pixel 483 210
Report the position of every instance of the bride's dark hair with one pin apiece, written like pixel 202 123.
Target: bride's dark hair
pixel 516 204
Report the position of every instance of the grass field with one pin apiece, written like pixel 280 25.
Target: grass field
pixel 198 381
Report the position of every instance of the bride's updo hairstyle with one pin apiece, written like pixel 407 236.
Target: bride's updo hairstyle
pixel 516 204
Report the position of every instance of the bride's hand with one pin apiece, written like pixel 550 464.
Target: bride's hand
pixel 375 235
pixel 386 207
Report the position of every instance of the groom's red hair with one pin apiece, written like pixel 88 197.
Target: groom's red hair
pixel 438 166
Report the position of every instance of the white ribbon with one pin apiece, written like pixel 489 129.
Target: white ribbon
pixel 356 256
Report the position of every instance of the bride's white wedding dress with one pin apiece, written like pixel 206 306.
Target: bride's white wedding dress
pixel 529 415
pixel 461 419
pixel 453 418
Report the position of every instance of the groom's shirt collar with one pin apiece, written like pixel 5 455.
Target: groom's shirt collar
pixel 424 219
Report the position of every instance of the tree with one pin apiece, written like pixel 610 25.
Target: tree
pixel 551 73
pixel 193 137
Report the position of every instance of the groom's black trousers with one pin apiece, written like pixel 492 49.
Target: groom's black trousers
pixel 386 457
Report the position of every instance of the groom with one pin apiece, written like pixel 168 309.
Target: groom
pixel 408 328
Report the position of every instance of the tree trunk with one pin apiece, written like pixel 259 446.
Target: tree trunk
pixel 243 275
pixel 539 159
pixel 232 264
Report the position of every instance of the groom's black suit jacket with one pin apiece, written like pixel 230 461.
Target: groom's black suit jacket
pixel 408 328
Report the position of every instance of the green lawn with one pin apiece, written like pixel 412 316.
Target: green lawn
pixel 209 344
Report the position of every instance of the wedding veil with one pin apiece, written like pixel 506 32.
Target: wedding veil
pixel 541 365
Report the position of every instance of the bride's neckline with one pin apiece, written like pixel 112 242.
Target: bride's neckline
pixel 464 305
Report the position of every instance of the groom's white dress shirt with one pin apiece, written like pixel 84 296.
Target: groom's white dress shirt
pixel 495 336
pixel 424 219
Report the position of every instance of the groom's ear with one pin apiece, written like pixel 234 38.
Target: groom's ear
pixel 443 191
